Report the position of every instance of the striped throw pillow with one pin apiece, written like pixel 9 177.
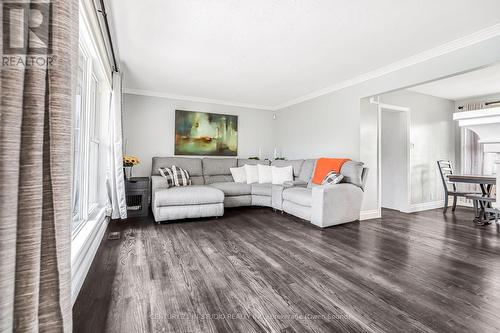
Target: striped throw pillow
pixel 332 178
pixel 175 176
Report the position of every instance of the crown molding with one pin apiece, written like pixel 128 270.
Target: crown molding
pixel 457 44
pixel 195 99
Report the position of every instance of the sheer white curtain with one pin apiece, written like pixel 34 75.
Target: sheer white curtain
pixel 115 181
pixel 472 162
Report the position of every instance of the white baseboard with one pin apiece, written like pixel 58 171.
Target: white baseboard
pixel 369 214
pixel 84 248
pixel 426 206
pixel 420 207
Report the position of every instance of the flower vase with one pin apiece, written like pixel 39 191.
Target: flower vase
pixel 128 172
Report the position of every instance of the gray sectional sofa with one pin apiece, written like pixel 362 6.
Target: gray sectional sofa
pixel 213 189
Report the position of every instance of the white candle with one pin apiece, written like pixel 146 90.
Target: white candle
pixel 260 153
pixel 275 152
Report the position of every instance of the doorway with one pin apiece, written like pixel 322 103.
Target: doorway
pixel 394 157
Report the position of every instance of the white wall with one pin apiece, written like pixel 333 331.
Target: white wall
pixel 432 138
pixel 325 126
pixel 148 128
pixel 330 125
pixel 368 131
pixel 394 159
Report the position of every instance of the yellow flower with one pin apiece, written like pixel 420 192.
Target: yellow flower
pixel 129 160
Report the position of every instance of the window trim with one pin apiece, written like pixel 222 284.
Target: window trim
pixel 95 89
pixel 79 219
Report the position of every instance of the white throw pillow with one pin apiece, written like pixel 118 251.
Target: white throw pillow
pixel 281 175
pixel 265 174
pixel 252 173
pixel 239 174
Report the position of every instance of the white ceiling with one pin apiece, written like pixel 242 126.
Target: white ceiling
pixel 269 52
pixel 481 82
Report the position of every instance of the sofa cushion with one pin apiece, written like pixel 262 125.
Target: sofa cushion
pixel 217 170
pixel 192 165
pixel 299 195
pixel 232 188
pixel 298 182
pixel 188 195
pixel 218 179
pixel 218 166
pixel 262 189
pixel 352 172
pixel 261 200
pixel 300 211
pixel 306 170
pixel 238 201
pixel 296 164
pixel 243 161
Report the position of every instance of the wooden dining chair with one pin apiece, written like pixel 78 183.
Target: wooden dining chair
pixel 450 188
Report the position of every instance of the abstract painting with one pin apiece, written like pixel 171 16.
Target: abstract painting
pixel 201 133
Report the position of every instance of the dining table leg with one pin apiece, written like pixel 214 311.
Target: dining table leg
pixel 484 217
pixel 485 189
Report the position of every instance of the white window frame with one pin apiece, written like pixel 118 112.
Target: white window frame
pixel 91 172
pixel 93 139
pixel 81 217
pixel 89 232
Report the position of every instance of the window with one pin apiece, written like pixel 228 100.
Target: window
pixel 93 144
pixel 78 139
pixel 92 105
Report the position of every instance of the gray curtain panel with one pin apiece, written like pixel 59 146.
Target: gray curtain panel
pixel 35 166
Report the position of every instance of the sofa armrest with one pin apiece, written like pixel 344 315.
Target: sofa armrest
pixel 335 204
pixel 157 183
pixel 292 183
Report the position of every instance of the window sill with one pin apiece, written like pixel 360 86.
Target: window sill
pixel 84 246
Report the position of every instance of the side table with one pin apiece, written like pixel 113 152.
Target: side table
pixel 137 196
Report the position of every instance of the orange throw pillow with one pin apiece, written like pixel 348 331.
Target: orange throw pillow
pixel 325 165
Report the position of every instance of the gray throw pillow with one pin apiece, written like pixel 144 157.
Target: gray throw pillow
pixel 352 172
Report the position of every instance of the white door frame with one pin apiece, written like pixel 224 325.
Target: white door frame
pixel 394 108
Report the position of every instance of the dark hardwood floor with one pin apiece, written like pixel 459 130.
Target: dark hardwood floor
pixel 254 270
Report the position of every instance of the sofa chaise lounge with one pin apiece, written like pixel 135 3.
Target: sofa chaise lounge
pixel 213 189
